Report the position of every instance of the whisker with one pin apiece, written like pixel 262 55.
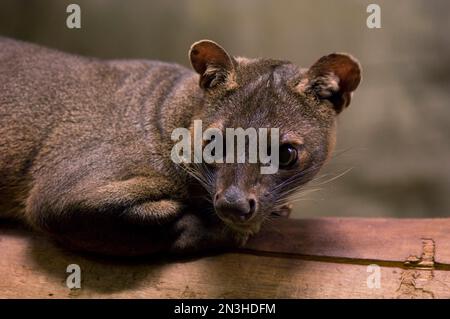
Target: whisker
pixel 335 177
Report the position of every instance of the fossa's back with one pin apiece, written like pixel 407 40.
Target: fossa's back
pixel 60 112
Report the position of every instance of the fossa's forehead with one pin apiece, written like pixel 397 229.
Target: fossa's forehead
pixel 261 70
pixel 265 97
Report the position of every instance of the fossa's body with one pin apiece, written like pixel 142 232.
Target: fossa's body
pixel 85 144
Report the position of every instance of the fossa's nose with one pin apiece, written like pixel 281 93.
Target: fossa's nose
pixel 233 204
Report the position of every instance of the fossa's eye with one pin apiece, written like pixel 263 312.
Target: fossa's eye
pixel 288 156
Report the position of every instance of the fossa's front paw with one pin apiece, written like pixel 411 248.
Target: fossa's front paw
pixel 196 235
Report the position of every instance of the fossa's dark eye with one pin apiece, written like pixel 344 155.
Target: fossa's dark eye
pixel 288 156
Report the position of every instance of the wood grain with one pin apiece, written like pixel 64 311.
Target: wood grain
pixel 380 239
pixel 321 258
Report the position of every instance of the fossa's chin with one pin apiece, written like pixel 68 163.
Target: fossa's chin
pixel 244 230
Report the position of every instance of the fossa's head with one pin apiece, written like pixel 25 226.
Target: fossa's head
pixel 264 93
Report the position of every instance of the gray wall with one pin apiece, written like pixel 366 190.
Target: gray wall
pixel 394 137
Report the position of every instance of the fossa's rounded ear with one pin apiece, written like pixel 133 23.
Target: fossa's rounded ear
pixel 212 62
pixel 333 77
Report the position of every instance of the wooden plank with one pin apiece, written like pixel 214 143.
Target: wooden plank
pixel 33 267
pixel 391 240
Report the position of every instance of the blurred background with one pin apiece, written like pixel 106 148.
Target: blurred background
pixel 395 136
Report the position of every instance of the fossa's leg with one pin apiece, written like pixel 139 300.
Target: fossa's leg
pixel 127 217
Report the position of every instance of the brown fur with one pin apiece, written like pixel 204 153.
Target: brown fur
pixel 85 147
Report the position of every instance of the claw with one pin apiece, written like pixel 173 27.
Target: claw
pixel 283 211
